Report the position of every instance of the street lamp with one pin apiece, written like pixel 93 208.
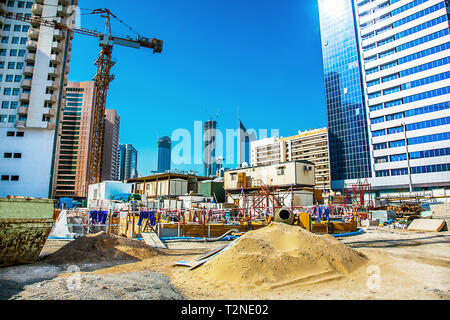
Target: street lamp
pixel 407 157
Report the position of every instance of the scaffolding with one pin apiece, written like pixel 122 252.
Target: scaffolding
pixel 358 195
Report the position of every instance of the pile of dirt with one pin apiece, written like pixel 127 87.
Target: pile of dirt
pixel 101 247
pixel 281 253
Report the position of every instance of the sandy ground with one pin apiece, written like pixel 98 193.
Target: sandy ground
pixel 401 265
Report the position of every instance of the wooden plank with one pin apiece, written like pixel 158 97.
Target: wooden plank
pixel 153 240
pixel 433 225
pixel 206 255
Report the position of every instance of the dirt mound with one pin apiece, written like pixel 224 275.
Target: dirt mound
pixel 101 247
pixel 281 253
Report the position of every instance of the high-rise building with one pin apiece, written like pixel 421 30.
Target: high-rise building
pixel 110 150
pixel 386 66
pixel 128 162
pixel 74 141
pixel 209 148
pixel 311 145
pixel 245 139
pixel 164 145
pixel 33 72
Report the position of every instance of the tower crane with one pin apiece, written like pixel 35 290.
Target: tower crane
pixel 103 77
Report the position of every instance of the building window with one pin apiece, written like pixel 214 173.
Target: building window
pixel 10 134
pixel 7 155
pixel 14 178
pixel 281 170
pixel 5 178
pixel 17 156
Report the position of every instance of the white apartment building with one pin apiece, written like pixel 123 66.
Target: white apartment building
pixel 405 55
pixel 311 145
pixel 33 72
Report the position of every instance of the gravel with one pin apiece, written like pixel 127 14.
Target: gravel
pixel 43 282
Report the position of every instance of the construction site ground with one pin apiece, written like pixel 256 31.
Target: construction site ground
pixel 400 264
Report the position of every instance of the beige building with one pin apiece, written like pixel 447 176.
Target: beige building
pixel 74 141
pixel 311 145
pixel 110 157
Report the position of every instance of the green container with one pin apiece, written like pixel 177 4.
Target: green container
pixel 213 189
pixel 24 228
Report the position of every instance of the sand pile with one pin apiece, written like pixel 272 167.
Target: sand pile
pixel 280 253
pixel 101 247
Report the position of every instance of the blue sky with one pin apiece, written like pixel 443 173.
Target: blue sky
pixel 263 57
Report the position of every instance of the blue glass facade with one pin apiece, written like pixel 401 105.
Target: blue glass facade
pixel 164 154
pixel 346 110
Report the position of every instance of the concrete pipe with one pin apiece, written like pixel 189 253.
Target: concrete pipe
pixel 284 215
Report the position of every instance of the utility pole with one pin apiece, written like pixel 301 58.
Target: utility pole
pixel 408 158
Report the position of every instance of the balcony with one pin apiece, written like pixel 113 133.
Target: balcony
pixel 63 11
pixel 20 124
pixel 37 8
pixel 51 98
pixel 28 71
pixel 33 34
pixel 56 59
pixel 54 85
pixel 26 84
pixel 58 34
pixel 32 45
pixel 57 47
pixel 50 111
pixel 30 57
pixel 22 111
pixel 24 97
pixel 54 72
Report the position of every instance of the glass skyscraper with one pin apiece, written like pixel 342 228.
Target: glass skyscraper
pixel 346 108
pixel 128 162
pixel 164 154
pixel 209 148
pixel 399 51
